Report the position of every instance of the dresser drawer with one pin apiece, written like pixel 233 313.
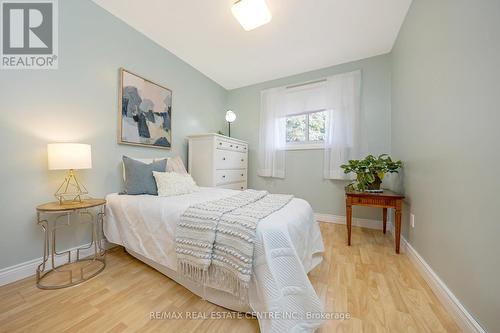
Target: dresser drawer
pixel 234 186
pixel 230 176
pixel 231 145
pixel 225 159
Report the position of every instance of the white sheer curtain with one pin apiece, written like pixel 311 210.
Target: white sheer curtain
pixel 343 132
pixel 276 104
pixel 306 97
pixel 339 95
pixel 272 134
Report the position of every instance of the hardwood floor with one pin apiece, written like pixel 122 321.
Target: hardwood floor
pixel 380 290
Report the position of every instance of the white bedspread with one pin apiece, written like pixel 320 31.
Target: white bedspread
pixel 288 245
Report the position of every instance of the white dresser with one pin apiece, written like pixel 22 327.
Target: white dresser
pixel 216 160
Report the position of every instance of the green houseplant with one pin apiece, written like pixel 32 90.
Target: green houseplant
pixel 370 172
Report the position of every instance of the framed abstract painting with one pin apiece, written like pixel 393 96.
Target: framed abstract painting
pixel 145 112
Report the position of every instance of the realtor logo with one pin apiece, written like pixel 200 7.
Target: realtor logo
pixel 29 36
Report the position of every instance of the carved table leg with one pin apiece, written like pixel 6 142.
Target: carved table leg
pixel 385 218
pixel 397 234
pixel 348 222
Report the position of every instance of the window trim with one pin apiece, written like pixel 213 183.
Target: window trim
pixel 307 144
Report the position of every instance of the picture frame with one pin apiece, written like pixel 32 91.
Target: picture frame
pixel 144 112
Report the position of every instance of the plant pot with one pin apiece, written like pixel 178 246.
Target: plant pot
pixel 375 186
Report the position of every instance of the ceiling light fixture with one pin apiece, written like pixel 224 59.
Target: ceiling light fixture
pixel 251 13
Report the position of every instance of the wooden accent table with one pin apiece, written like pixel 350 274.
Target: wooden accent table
pixel 384 200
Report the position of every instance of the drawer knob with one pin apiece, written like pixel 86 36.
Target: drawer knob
pixel 223 176
pixel 223 158
pixel 236 146
pixel 242 187
pixel 242 160
pixel 220 143
pixel 230 145
pixel 241 175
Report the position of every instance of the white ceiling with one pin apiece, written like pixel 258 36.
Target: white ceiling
pixel 303 35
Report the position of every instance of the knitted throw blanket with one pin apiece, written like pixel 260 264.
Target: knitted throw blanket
pixel 215 239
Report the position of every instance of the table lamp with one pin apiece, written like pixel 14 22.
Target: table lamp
pixel 230 117
pixel 69 156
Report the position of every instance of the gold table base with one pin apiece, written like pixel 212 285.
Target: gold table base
pixel 97 259
pixel 41 277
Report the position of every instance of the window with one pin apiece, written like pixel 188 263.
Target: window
pixel 306 130
pixel 298 117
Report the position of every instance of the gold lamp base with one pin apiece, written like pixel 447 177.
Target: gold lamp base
pixel 71 190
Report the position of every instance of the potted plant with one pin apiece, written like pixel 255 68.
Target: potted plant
pixel 370 172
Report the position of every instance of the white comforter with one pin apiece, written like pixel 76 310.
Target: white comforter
pixel 288 245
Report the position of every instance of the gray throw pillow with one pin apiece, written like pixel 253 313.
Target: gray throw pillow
pixel 139 176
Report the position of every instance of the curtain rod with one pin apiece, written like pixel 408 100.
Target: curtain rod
pixel 305 83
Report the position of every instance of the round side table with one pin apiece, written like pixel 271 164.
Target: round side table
pixel 52 216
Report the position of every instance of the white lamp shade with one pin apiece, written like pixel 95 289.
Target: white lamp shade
pixel 251 13
pixel 230 116
pixel 65 156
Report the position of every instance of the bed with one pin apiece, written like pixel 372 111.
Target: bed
pixel 288 245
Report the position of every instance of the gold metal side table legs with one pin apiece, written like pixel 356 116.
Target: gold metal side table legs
pixel 58 266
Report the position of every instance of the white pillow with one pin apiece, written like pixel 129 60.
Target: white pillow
pixel 173 183
pixel 174 164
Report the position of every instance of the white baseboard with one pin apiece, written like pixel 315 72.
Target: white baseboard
pixel 458 312
pixel 451 303
pixel 28 268
pixel 338 219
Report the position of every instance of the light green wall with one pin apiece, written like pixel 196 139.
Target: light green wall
pixel 304 168
pixel 78 102
pixel 445 126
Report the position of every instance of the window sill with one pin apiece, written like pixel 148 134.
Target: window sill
pixel 305 146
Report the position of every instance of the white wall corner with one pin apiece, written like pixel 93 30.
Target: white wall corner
pixel 28 268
